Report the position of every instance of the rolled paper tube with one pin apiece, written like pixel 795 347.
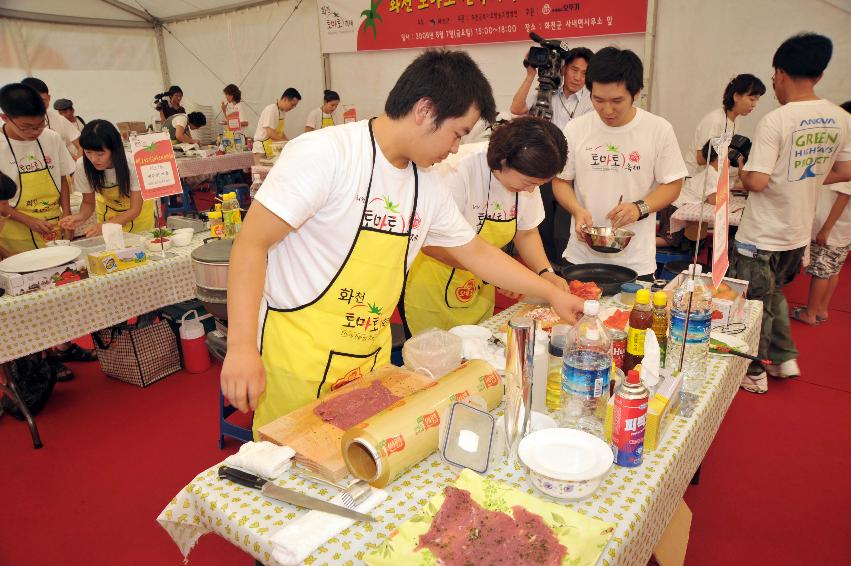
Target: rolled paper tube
pixel 382 447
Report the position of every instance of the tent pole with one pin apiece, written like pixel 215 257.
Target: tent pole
pixel 649 53
pixel 158 32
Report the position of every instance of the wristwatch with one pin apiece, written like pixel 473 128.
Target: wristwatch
pixel 643 209
pixel 546 270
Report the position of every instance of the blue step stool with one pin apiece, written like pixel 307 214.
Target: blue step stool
pixel 666 255
pixel 185 206
pixel 229 429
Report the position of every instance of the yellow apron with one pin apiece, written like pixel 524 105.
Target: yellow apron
pixel 439 296
pixel 345 332
pixel 279 129
pixel 109 203
pixel 38 198
pixel 329 121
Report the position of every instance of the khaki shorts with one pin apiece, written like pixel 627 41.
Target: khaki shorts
pixel 826 261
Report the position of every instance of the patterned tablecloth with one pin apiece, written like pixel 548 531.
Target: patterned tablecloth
pixel 36 321
pixel 192 166
pixel 639 500
pixel 694 211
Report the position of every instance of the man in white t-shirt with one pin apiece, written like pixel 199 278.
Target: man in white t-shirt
pixel 618 154
pixel 569 102
pixel 323 251
pixel 179 126
pixel 797 148
pixel 271 125
pixel 69 134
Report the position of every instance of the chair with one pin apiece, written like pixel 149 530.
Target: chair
pixel 229 429
pixel 233 182
pixel 185 206
pixel 673 268
pixel 666 254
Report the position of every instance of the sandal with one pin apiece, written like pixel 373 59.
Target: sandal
pixel 798 314
pixel 73 353
pixel 755 383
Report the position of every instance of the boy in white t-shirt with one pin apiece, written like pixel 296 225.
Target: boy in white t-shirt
pixel 55 121
pixel 828 249
pixel 272 123
pixel 320 262
pixel 618 154
pixel 797 148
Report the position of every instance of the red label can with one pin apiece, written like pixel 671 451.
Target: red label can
pixel 630 419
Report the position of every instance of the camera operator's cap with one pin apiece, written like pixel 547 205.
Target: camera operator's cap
pixel 63 104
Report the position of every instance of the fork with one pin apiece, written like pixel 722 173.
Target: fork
pixel 351 496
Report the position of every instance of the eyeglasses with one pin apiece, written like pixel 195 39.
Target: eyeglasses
pixel 33 129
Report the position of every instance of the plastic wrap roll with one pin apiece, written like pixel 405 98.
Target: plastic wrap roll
pixel 380 448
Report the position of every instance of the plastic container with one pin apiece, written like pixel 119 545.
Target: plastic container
pixel 586 372
pixel 555 360
pixel 436 351
pixel 695 345
pixel 196 357
pixel 660 323
pixel 217 226
pixel 231 215
pixel 466 439
pixel 255 185
pixel 628 291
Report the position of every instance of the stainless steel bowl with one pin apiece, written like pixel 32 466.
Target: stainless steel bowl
pixel 605 239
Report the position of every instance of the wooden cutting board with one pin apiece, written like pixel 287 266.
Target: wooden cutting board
pixel 317 444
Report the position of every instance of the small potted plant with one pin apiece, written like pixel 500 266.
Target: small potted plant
pixel 160 239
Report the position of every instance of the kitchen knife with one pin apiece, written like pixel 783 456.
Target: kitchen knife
pixel 290 496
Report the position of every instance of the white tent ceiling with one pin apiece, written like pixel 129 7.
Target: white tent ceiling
pixel 142 13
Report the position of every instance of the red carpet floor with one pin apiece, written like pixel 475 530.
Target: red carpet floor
pixel 774 487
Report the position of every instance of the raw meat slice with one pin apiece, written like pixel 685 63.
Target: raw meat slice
pixel 348 409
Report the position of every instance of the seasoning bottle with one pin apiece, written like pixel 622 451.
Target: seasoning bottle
pixel 640 319
pixel 558 339
pixel 660 323
pixel 217 226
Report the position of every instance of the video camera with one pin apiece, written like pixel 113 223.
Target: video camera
pixel 740 146
pixel 160 100
pixel 548 60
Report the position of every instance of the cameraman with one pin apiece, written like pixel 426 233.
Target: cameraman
pixel 568 102
pixel 172 105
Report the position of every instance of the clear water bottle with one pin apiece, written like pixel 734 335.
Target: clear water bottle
pixel 255 185
pixel 585 373
pixel 697 342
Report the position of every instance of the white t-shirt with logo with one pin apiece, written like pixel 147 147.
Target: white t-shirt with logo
pixel 81 182
pixel 840 234
pixel 710 126
pixel 59 161
pixel 319 186
pixel 473 187
pixel 565 108
pixel 797 145
pixel 59 124
pixel 606 163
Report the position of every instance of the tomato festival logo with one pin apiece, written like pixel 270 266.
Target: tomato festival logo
pixel 383 214
pixel 350 376
pixel 431 420
pixel 491 380
pixel 362 315
pixel 609 157
pixel 467 291
pixel 460 396
pixel 392 444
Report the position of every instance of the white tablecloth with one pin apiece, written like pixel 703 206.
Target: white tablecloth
pixel 639 500
pixel 36 321
pixel 693 212
pixel 192 166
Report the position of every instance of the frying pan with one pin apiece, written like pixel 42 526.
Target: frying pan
pixel 607 277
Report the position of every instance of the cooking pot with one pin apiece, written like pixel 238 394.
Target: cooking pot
pixel 210 270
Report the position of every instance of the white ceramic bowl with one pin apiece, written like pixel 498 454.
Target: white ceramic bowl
pixel 565 463
pixel 182 237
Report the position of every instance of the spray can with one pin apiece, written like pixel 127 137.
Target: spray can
pixel 630 418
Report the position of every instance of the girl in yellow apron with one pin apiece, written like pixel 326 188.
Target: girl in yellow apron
pixel 346 330
pixel 38 197
pixel 520 155
pixel 323 117
pixel 107 180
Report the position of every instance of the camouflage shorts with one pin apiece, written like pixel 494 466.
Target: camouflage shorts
pixel 826 261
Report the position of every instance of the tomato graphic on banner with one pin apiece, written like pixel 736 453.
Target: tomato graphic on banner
pixel 156 168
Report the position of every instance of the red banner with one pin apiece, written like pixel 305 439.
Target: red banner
pixel 399 24
pixel 720 254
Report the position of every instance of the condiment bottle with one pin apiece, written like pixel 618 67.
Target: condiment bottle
pixel 660 323
pixel 558 339
pixel 217 226
pixel 640 319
